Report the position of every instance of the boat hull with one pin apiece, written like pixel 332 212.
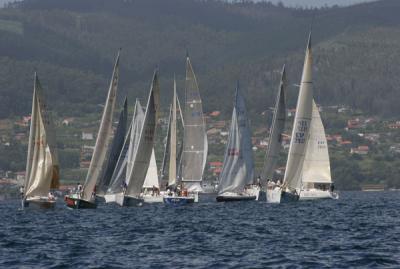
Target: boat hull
pixel 315 194
pixel 178 200
pixel 130 201
pixel 235 198
pixel 39 203
pixel 77 203
pixel 288 197
pixel 274 195
pixel 150 199
pixel 253 190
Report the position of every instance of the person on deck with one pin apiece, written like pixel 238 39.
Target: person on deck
pixel 50 196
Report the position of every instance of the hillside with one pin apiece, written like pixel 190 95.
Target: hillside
pixel 72 45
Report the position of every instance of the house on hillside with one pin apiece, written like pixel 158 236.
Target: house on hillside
pixel 360 150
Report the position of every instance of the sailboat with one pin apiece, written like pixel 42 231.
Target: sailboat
pixel 300 134
pixel 116 147
pixel 238 167
pixel 86 197
pixel 123 167
pixel 316 172
pixel 273 192
pixel 175 198
pixel 139 151
pixel 308 167
pixel 42 168
pixel 195 144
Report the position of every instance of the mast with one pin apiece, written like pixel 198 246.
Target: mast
pixel 301 126
pixel 99 157
pixel 195 145
pixel 166 148
pixel 142 156
pixel 275 135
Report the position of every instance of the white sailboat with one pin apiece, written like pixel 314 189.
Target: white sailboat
pixel 195 144
pixel 238 167
pixel 273 190
pixel 292 181
pixel 42 161
pixel 316 173
pixel 175 198
pixel 151 185
pixel 86 198
pixel 140 152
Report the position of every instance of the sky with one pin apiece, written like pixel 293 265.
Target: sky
pixel 292 3
pixel 318 3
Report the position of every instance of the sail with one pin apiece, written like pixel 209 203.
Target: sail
pixel 41 148
pixel 245 135
pixel 316 166
pixel 238 168
pixel 172 151
pixel 116 148
pixel 195 145
pixel 275 135
pixel 99 158
pixel 124 163
pixel 152 173
pixel 301 125
pixel 142 157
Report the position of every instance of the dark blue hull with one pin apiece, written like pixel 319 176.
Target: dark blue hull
pixel 178 201
pixel 287 197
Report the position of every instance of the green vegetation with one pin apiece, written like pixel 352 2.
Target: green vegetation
pixel 72 45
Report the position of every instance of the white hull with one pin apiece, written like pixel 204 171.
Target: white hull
pixel 39 202
pixel 148 198
pixel 274 195
pixel 314 194
pixel 111 198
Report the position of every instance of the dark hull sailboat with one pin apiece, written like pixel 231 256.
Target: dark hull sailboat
pixel 288 197
pixel 77 203
pixel 235 198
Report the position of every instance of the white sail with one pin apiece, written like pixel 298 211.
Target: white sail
pixel 41 155
pixel 301 126
pixel 316 166
pixel 103 140
pixel 173 143
pixel 141 159
pixel 275 136
pixel 195 145
pixel 238 167
pixel 152 173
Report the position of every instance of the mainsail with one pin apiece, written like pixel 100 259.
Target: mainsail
pixel 42 160
pixel 238 167
pixel 195 145
pixel 316 166
pixel 173 142
pixel 141 159
pixel 99 158
pixel 275 135
pixel 301 126
pixel 151 179
pixel 116 148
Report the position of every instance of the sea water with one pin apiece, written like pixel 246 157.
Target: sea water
pixel 359 230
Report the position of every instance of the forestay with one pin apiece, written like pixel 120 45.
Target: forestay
pixel 99 158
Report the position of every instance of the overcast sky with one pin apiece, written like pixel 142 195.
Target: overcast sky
pixel 305 3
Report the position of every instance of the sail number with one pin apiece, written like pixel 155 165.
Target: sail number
pixel 300 135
